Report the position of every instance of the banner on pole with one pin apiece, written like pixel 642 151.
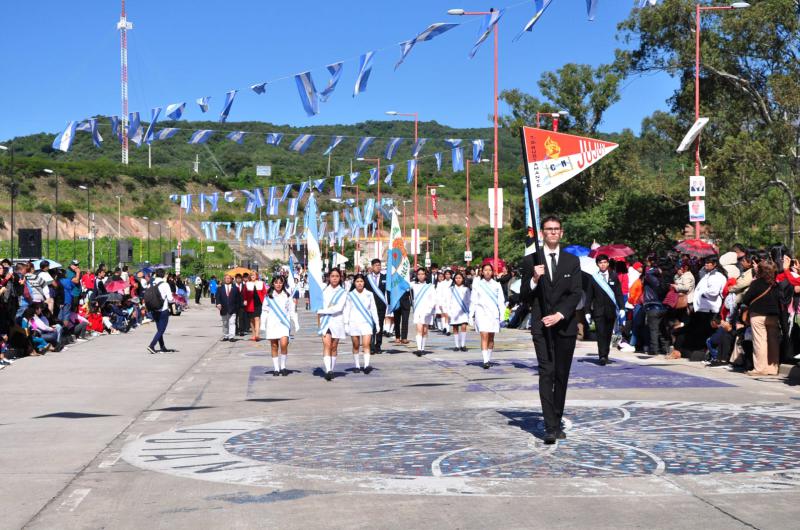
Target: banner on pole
pixel 415 243
pixel 697 211
pixel 697 186
pixel 263 171
pixel 434 204
pixel 553 158
pixel 499 208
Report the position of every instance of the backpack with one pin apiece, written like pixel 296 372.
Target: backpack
pixel 153 300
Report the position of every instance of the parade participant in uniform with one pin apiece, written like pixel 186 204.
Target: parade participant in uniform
pixel 423 297
pixel 332 321
pixel 443 284
pixel 360 319
pixel 276 315
pixel 487 305
pixel 253 296
pixel 376 282
pixel 458 310
pixel 554 328
pixel 604 304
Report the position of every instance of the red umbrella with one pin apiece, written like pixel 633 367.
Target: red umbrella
pixel 696 247
pixel 116 286
pixel 500 266
pixel 612 251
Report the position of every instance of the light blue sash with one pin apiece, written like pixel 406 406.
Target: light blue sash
pixel 605 287
pixel 273 305
pixel 422 293
pixel 361 309
pixel 327 318
pixel 376 289
pixel 459 300
pixel 491 294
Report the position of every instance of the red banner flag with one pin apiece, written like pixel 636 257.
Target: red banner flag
pixel 433 204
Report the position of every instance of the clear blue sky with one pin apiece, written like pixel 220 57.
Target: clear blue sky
pixel 61 59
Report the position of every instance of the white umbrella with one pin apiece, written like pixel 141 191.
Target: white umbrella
pixel 515 285
pixel 588 265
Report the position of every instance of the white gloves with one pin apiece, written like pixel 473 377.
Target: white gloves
pixel 588 319
pixel 622 314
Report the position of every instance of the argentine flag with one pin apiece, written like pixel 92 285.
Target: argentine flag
pixel 64 140
pixel 315 284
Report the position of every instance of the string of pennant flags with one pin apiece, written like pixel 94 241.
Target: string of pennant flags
pixel 310 97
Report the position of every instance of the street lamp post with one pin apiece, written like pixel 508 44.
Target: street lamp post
pixel 428 188
pixel 468 211
pixel 148 237
pixel 461 12
pixel 160 255
pixel 698 10
pixel 378 249
pixel 88 225
pixel 13 194
pixel 119 217
pixel 55 214
pixel 415 115
pixel 554 115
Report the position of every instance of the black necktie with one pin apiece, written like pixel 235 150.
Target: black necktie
pixel 552 266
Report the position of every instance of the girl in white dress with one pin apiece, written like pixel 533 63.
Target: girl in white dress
pixel 442 296
pixel 277 314
pixel 360 319
pixel 487 304
pixel 332 320
pixel 423 298
pixel 458 310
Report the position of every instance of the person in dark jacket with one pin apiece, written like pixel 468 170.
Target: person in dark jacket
pixel 229 302
pixel 604 304
pixel 655 310
pixel 764 309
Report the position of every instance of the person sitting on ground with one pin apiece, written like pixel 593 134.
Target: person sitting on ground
pixel 75 326
pixel 38 346
pixel 50 333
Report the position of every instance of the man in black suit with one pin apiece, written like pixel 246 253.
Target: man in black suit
pixel 553 291
pixel 604 304
pixel 376 282
pixel 229 301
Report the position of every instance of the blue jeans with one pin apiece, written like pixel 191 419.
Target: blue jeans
pixel 161 319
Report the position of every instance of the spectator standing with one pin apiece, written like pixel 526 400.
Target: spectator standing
pixel 229 302
pixel 764 311
pixel 160 316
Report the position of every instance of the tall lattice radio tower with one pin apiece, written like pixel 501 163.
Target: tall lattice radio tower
pixel 123 26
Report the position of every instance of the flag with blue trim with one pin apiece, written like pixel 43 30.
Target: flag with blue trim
pixel 488 25
pixel 154 114
pixel 412 165
pixel 203 103
pixel 338 181
pixel 259 88
pixel 434 30
pixel 335 70
pixel 274 138
pixel 391 147
pixel 353 177
pixel 373 177
pixel 64 140
pixel 201 136
pixel 438 157
pixel 335 140
pixel 540 6
pixel 301 143
pixel 364 69
pixel 308 93
pixel 418 147
pixel 591 8
pixel 477 151
pixel 363 145
pixel 175 110
pixel 389 173
pixel 236 136
pixel 286 190
pixel 166 133
pixel 226 107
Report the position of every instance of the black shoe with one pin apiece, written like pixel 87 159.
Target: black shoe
pixel 225 339
pixel 463 348
pixel 284 372
pixel 356 370
pixel 486 366
pixel 603 361
pixel 150 350
pixel 377 352
pixel 549 438
pixel 328 376
pixel 561 435
pixel 448 333
pixel 276 373
pixel 457 348
pixel 168 350
pixel 418 353
pixel 367 370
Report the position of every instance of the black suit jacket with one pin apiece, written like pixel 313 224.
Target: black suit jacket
pixel 230 304
pixel 561 295
pixel 381 307
pixel 597 301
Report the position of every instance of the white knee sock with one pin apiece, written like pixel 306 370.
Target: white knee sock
pixel 366 359
pixel 485 354
pixel 462 337
pixel 333 362
pixel 489 355
pixel 275 364
pixel 419 342
pixel 326 360
pixel 423 341
pixel 283 361
pixel 355 360
pixel 457 340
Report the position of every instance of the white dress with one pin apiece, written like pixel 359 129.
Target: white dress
pixel 356 323
pixel 424 298
pixel 277 314
pixel 453 308
pixel 487 304
pixel 332 314
pixel 442 295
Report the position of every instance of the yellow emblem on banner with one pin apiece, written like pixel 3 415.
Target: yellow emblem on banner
pixel 552 148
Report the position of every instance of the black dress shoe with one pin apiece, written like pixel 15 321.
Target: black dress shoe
pixel 463 348
pixel 367 370
pixel 356 370
pixel 225 339
pixel 418 353
pixel 276 373
pixel 550 438
pixel 486 366
pixel 603 361
pixel 328 376
pixel 561 435
pixel 284 372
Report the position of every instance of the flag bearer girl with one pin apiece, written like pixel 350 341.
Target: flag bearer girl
pixel 424 308
pixel 458 310
pixel 487 304
pixel 277 313
pixel 332 321
pixel 361 319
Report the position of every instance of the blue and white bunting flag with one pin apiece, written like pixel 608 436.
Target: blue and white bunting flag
pixel 213 200
pixel 97 140
pixel 418 147
pixel 186 203
pixel 373 176
pixel 133 123
pixel 84 126
pixel 226 107
pixel 259 88
pixel 272 208
pixel 274 138
pixel 364 69
pixel 645 3
pixel 434 30
pixel 591 8
pixel 477 151
pixel 302 190
pixel 166 133
pixel 363 145
pixel 271 197
pixel 229 196
pixel 336 221
pixel 175 110
pixel 203 103
pixel 286 190
pixel 358 221
pixel 369 211
pixel 308 93
pixel 489 22
pixel 412 165
pixel 318 184
pixel 63 141
pixel 114 126
pixel 335 70
pixel 291 206
pixel 540 6
pixel 154 114
pixel 335 140
pixel 255 200
pixel 301 143
pixel 458 159
pixel 389 173
pixel 438 157
pixel 338 180
pixel 391 147
pixel 353 177
pixel 201 136
pixel 236 136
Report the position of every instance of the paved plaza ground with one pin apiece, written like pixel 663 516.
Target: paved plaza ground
pixel 106 436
